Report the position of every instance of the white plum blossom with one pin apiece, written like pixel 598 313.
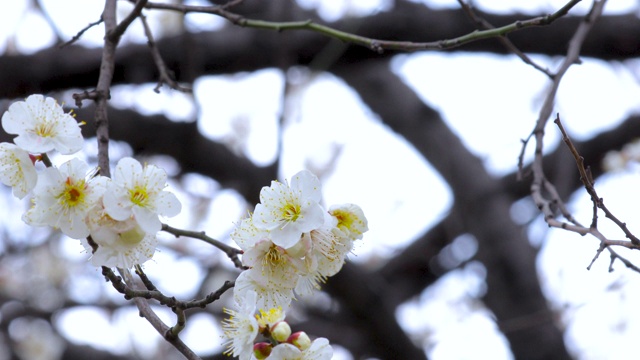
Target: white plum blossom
pixel 351 220
pixel 121 244
pixel 63 197
pixel 241 328
pixel 320 349
pixel 270 294
pixel 288 211
pixel 273 269
pixel 42 125
pixel 325 256
pixel 138 192
pixel 246 235
pixel 283 263
pixel 272 264
pixel 17 169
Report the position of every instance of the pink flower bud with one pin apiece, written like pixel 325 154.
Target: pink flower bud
pixel 262 350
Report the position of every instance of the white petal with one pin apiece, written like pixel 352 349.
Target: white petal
pixel 167 204
pixel 308 185
pixel 285 351
pixel 116 203
pixel 312 218
pixel 286 237
pixel 148 220
pixel 74 226
pixel 17 170
pixel 154 177
pixel 67 145
pixel 127 171
pixel 263 218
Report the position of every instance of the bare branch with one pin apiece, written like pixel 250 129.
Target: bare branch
pixel 77 36
pixel 377 45
pixel 585 176
pixel 166 76
pixel 484 24
pixel 231 252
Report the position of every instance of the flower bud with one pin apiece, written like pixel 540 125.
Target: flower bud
pixel 262 350
pixel 300 339
pixel 132 236
pixel 280 331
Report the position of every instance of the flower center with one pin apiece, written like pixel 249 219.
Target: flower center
pixel 139 196
pixel 344 219
pixel 270 317
pixel 45 129
pixel 272 258
pixel 74 193
pixel 290 212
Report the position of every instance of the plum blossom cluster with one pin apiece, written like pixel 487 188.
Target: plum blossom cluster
pixel 120 215
pixel 291 244
pixel 246 324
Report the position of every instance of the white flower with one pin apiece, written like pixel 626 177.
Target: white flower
pixel 289 211
pixel 246 235
pixel 319 350
pixel 17 170
pixel 270 295
pixel 241 328
pixel 42 125
pixel 351 220
pixel 64 196
pixel 138 192
pixel 120 243
pixel 270 264
pixel 325 256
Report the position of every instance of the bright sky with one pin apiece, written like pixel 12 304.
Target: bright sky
pixel 396 196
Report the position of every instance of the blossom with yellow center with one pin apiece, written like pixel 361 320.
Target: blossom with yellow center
pixel 17 170
pixel 63 197
pixel 138 192
pixel 42 125
pixel 288 211
pixel 241 328
pixel 271 264
pixel 351 220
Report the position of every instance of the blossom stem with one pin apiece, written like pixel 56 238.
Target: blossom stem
pixel 45 160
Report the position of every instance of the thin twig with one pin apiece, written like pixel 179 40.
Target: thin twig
pixel 140 298
pixel 588 183
pixel 540 183
pixel 115 33
pixel 231 252
pixel 77 36
pixel 484 24
pixel 377 45
pixel 166 75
